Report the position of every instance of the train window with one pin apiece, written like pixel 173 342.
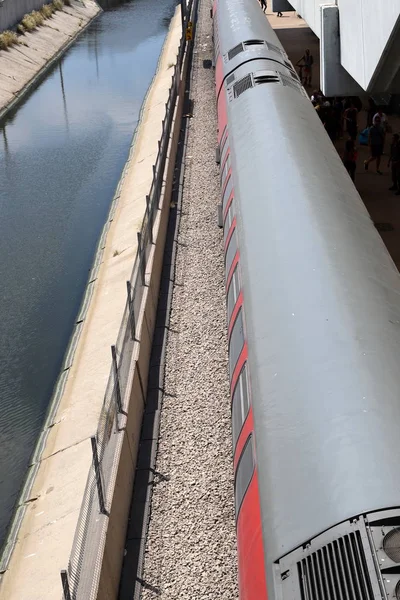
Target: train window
pixel 244 474
pixel 227 193
pixel 225 169
pixel 233 292
pixel 224 153
pixel 230 253
pixel 228 221
pixel 223 143
pixel 236 342
pixel 240 405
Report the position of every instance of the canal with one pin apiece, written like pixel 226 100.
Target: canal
pixel 62 153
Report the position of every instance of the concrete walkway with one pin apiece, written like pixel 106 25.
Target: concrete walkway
pixel 21 64
pixel 382 205
pixel 46 534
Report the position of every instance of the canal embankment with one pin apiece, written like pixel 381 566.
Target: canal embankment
pixel 24 63
pixel 54 516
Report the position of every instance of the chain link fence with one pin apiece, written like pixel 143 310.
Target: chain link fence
pixel 86 555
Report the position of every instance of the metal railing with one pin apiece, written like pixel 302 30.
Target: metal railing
pixel 86 555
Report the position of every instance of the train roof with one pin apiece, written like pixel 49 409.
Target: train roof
pixel 322 315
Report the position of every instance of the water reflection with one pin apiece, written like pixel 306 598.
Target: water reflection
pixel 62 152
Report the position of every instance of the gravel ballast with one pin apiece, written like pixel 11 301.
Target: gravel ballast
pixel 191 543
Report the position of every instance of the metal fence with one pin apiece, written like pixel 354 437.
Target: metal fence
pixel 86 555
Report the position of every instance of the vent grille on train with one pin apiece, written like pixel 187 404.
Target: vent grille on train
pixel 292 72
pixel 243 46
pixel 235 51
pixel 242 85
pixel 337 570
pixel 260 79
pixel 230 79
pixel 391 545
pixel 254 43
pixel 290 83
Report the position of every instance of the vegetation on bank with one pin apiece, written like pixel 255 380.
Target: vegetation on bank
pixel 30 22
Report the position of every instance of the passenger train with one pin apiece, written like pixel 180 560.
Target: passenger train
pixel 313 306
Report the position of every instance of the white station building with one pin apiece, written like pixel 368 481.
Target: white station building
pixel 359 43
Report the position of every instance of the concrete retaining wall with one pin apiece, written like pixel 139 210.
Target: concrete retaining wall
pixel 22 65
pixel 12 11
pixel 126 455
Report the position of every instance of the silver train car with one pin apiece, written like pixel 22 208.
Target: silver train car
pixel 313 307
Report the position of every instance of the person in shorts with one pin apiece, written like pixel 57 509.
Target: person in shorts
pixel 350 117
pixel 376 139
pixel 306 62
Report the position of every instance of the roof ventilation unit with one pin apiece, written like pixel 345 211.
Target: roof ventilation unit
pixel 265 77
pixel 235 51
pixel 242 85
pixel 254 43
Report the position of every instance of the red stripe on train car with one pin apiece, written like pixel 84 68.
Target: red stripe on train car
pixel 228 176
pixel 230 233
pixel 222 106
pixel 228 205
pixel 239 366
pixel 236 308
pixel 247 429
pixel 226 158
pixel 252 582
pixel 234 263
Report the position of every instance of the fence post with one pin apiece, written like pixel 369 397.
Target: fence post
pixel 141 261
pixel 149 218
pixel 183 14
pixel 131 310
pixel 65 585
pixel 116 377
pixel 98 475
pixel 177 79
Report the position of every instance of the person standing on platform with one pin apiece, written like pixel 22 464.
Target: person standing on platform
pixel 263 5
pixel 376 139
pixel 350 118
pixel 383 118
pixel 384 124
pixel 372 108
pixel 307 62
pixel 394 162
pixel 279 14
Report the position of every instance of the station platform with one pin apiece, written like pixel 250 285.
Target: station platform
pixel 382 205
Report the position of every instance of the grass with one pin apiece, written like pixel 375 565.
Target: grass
pixel 37 17
pixel 47 11
pixel 28 23
pixel 58 4
pixel 7 39
pixel 116 253
pixel 31 21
